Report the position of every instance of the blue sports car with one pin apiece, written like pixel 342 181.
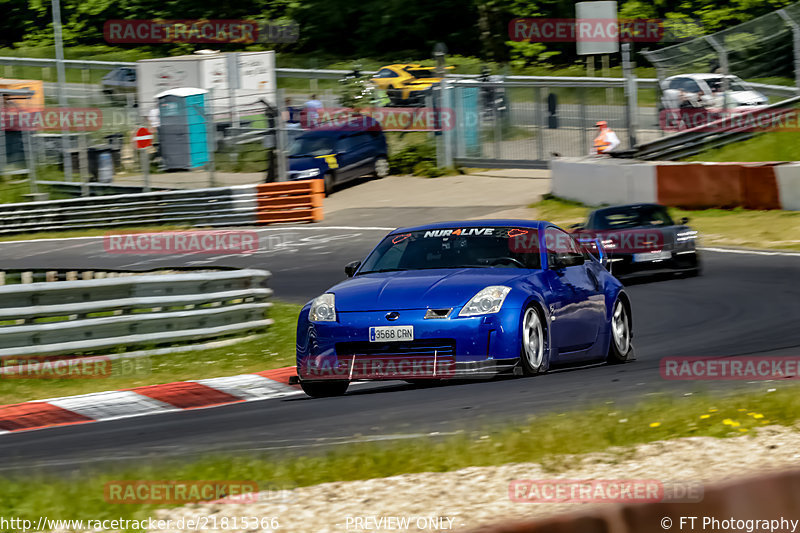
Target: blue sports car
pixel 464 300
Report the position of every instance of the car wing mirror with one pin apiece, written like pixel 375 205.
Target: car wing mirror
pixel 685 220
pixel 602 255
pixel 351 268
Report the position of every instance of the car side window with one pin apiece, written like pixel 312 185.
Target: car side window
pixel 386 73
pixel 676 84
pixel 558 244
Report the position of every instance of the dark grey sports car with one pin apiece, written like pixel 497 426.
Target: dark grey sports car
pixel 641 239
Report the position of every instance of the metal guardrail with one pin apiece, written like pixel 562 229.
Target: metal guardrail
pixel 266 203
pixel 694 141
pixel 138 310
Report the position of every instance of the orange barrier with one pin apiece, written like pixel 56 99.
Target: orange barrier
pixel 764 498
pixel 722 185
pixel 289 201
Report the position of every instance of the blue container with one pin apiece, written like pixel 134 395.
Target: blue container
pixel 183 132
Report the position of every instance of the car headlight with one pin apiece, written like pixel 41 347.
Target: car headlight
pixel 487 301
pixel 310 173
pixel 323 308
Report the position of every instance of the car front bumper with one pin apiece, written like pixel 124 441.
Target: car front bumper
pixel 448 348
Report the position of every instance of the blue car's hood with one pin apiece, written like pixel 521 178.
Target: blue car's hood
pixel 418 289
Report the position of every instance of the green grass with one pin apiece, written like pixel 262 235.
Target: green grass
pixel 274 349
pixel 771 146
pixel 738 227
pixel 544 439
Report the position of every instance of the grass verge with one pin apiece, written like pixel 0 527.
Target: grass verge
pixel 771 146
pixel 33 494
pixel 738 227
pixel 274 349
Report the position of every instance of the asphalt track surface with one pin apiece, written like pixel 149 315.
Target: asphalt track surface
pixel 744 304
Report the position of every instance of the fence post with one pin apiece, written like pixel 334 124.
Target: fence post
pixel 537 96
pixel 281 139
pixel 27 147
pixel 795 44
pixel 2 142
pixel 631 100
pixel 211 136
pixel 723 63
pixel 583 129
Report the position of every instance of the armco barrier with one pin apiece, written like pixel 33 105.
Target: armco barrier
pixel 100 314
pixel 595 181
pixel 605 181
pixel 267 203
pixel 765 498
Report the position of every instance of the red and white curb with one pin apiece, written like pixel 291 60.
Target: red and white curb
pixel 148 400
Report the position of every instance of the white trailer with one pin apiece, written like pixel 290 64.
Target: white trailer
pixel 255 79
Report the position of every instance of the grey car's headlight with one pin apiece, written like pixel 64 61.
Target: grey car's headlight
pixel 323 308
pixel 310 173
pixel 487 301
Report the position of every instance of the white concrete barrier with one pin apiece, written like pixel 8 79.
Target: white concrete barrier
pixel 596 181
pixel 788 178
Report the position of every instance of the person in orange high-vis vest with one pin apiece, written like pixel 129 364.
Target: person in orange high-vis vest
pixel 606 139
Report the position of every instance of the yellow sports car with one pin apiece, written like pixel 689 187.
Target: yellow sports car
pixel 406 84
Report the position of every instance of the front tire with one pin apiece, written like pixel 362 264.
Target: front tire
pixel 324 389
pixel 620 347
pixel 329 183
pixel 534 354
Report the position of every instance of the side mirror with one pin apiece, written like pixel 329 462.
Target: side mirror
pixel 350 268
pixel 602 256
pixel 566 260
pixel 685 220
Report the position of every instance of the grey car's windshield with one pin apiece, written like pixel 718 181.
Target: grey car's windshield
pixel 632 217
pixel 475 247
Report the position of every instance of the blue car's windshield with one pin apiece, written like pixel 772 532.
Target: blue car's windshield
pixel 311 146
pixel 475 247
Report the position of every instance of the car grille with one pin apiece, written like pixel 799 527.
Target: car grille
pixel 419 348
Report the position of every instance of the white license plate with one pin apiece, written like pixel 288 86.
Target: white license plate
pixel 652 256
pixel 391 333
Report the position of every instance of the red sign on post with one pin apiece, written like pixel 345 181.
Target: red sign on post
pixel 143 138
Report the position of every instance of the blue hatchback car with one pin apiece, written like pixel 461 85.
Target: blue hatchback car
pixel 339 153
pixel 464 300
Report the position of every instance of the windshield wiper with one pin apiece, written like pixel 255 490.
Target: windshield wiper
pixel 383 270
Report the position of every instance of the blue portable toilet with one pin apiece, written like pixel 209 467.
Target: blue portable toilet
pixel 182 132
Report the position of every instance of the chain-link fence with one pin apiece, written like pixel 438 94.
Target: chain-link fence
pixel 765 49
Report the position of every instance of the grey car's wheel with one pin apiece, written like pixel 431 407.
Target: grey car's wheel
pixel 329 183
pixel 620 347
pixel 381 167
pixel 324 389
pixel 534 355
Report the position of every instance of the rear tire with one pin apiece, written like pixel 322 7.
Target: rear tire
pixel 324 389
pixel 381 167
pixel 620 347
pixel 535 350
